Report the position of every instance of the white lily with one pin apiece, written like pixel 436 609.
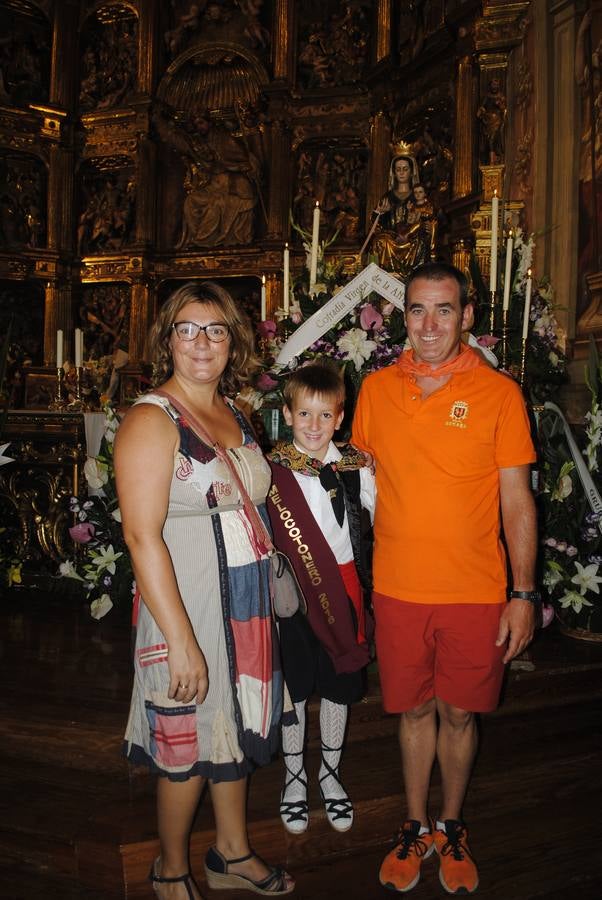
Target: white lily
pixel 105 558
pixel 574 600
pixel 356 346
pixel 101 606
pixel 96 473
pixel 586 578
pixel 67 570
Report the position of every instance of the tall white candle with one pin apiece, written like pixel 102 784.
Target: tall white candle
pixel 527 309
pixel 78 346
pixel 59 349
pixel 508 273
pixel 285 278
pixel 263 300
pixel 315 239
pixel 495 212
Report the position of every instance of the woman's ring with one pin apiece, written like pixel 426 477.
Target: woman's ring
pixel 183 686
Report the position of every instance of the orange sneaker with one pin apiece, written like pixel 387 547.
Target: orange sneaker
pixel 400 869
pixel 457 870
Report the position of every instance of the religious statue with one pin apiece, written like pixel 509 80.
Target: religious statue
pixel 405 231
pixel 492 116
pixel 222 179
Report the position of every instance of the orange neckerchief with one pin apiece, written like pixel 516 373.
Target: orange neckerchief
pixel 465 360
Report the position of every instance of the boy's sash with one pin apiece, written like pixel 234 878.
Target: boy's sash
pixel 296 533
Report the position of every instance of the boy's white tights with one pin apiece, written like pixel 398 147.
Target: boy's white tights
pixel 333 721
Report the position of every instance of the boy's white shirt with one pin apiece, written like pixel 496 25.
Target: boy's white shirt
pixel 317 498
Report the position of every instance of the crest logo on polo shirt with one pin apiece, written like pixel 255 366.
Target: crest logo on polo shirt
pixel 458 414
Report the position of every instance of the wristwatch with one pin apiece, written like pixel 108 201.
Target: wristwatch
pixel 532 596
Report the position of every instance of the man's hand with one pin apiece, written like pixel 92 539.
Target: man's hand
pixel 517 625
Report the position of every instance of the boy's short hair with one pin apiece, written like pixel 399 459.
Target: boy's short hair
pixel 316 378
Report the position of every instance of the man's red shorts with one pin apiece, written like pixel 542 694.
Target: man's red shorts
pixel 442 650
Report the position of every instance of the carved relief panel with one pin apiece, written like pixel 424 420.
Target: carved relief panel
pixel 334 175
pixel 107 206
pixel 104 317
pixel 25 47
pixel 214 150
pixel 333 42
pixel 242 22
pixel 108 57
pixel 23 186
pixel 21 310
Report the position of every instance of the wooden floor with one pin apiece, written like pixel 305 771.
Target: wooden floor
pixel 76 822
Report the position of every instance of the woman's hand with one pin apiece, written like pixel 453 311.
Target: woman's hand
pixel 188 676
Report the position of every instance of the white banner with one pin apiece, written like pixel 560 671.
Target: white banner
pixel 4 460
pixel 372 278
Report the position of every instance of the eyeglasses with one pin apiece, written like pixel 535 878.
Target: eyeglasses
pixel 189 331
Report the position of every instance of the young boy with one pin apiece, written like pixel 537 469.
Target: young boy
pixel 315 505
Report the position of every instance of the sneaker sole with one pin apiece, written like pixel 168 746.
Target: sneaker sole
pixel 391 887
pixel 461 890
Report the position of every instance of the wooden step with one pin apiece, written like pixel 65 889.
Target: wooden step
pixel 73 812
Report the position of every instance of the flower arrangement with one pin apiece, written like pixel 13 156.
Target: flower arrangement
pixel 571 529
pixel 545 359
pixel 102 563
pixel 373 334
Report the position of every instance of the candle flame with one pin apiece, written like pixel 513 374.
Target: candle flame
pixel 263 279
pixel 317 203
pixel 529 273
pixel 286 245
pixel 495 192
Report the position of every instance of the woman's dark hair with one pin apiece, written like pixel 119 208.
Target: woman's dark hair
pixel 242 362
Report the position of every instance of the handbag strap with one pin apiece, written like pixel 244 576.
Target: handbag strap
pixel 262 537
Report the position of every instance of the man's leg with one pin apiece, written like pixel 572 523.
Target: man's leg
pixel 400 870
pixel 456 749
pixel 418 741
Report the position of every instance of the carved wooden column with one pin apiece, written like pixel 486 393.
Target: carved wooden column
pixel 148 29
pixel 464 142
pixel 61 199
pixel 57 314
pixel 64 53
pixel 142 312
pixel 383 30
pixel 279 191
pixel 380 139
pixel 283 32
pixel 146 196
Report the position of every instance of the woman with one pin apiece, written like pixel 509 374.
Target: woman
pixel 399 244
pixel 203 659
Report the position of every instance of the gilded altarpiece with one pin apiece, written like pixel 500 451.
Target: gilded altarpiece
pixel 146 143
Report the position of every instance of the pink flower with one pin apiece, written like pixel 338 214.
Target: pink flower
pixel 370 318
pixel 265 382
pixel 547 614
pixel 266 329
pixel 297 318
pixel 82 533
pixel 487 340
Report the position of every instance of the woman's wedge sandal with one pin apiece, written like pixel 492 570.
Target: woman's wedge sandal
pixel 294 813
pixel 186 880
pixel 339 811
pixel 219 878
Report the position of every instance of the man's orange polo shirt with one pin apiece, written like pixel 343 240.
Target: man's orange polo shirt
pixel 437 521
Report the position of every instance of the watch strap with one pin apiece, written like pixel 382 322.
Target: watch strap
pixel 531 596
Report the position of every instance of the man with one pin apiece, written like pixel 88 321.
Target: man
pixel 450 438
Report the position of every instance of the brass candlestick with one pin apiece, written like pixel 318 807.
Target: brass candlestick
pixel 504 339
pixel 58 403
pixel 492 298
pixel 77 404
